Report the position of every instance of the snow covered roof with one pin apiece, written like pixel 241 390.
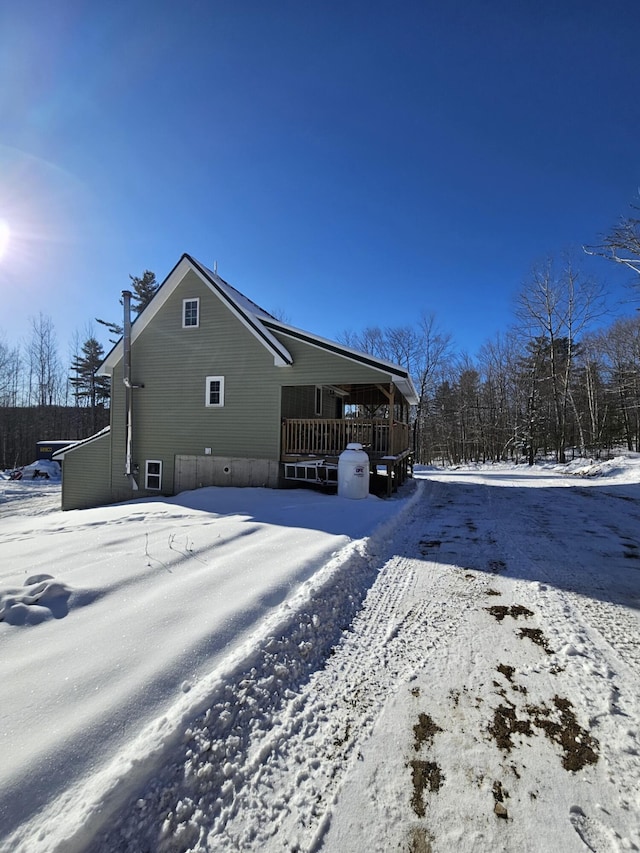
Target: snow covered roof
pixel 259 322
pixel 249 314
pixel 60 454
pixel 233 294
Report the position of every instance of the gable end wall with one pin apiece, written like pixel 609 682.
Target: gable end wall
pixel 169 413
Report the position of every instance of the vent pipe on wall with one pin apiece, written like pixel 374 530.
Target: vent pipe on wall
pixel 126 378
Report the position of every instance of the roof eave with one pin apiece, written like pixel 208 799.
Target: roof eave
pixel 60 454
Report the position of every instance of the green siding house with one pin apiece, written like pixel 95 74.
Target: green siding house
pixel 209 389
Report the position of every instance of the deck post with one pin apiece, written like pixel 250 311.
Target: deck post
pixel 392 394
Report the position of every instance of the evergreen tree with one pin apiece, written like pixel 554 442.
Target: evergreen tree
pixel 114 329
pixel 144 288
pixel 89 389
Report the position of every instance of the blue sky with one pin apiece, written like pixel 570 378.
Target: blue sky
pixel 346 163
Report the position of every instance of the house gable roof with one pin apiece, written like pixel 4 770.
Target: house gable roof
pixel 249 314
pixel 259 323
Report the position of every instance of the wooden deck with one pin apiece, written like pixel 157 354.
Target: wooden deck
pixel 325 437
pixel 386 443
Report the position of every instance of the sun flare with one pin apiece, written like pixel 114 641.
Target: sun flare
pixel 4 237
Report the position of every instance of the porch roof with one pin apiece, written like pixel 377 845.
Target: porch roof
pixel 394 372
pixel 364 394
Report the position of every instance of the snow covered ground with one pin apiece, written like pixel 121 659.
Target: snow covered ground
pixel 454 669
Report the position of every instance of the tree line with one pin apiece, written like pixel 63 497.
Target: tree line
pixel 558 382
pixel 42 398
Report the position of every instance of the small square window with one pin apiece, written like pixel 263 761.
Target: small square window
pixel 153 474
pixel 214 396
pixel 190 313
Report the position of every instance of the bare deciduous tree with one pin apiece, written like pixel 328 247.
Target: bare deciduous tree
pixel 557 307
pixel 620 346
pixel 622 244
pixel 10 369
pixel 45 372
pixel 433 351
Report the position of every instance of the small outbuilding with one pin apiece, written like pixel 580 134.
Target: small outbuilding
pixel 46 449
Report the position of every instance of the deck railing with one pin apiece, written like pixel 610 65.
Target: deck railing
pixel 325 437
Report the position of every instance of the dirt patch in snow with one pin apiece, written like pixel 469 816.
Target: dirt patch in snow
pixel 577 744
pixel 536 636
pixel 506 724
pixel 424 731
pixel 499 611
pixel 425 776
pixel 499 793
pixel 507 671
pixel 560 726
pixel 420 841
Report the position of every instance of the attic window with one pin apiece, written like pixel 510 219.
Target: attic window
pixel 214 396
pixel 190 313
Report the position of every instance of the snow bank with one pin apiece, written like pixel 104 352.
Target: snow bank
pixel 623 468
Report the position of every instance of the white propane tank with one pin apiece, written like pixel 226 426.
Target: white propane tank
pixel 353 473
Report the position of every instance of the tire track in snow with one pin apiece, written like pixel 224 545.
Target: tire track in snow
pixel 253 711
pixel 535 541
pixel 387 643
pixel 285 767
pixel 595 642
pixel 531 570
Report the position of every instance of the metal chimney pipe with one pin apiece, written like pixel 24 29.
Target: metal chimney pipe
pixel 126 378
pixel 126 337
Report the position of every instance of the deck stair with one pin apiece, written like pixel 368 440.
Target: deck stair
pixel 312 471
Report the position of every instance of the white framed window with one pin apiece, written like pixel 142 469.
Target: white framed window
pixel 318 399
pixel 191 313
pixel 153 474
pixel 214 395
